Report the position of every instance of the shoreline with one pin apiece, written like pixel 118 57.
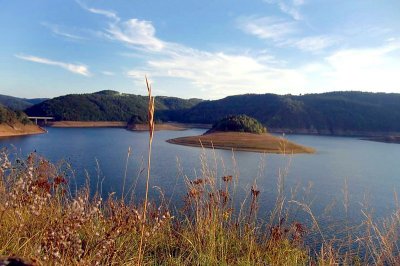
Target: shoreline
pixel 354 134
pixel 86 124
pixel 384 139
pixel 18 130
pixel 121 124
pixel 167 126
pixel 263 143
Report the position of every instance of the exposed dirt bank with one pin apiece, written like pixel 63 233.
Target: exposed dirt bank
pixel 19 129
pixel 87 124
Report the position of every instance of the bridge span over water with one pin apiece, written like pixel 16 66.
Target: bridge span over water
pixel 40 118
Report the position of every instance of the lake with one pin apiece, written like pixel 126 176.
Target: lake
pixel 372 169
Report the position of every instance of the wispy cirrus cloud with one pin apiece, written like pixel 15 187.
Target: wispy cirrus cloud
pixel 218 74
pixel 108 73
pixel 107 13
pixel 312 43
pixel 139 33
pixel 215 73
pixel 289 7
pixel 284 33
pixel 134 32
pixel 74 68
pixel 60 31
pixel 267 28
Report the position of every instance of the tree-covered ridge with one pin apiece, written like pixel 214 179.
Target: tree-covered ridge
pixel 8 116
pixel 238 123
pixel 108 106
pixel 327 113
pixel 337 113
pixel 16 103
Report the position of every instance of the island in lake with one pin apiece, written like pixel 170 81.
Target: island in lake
pixel 241 133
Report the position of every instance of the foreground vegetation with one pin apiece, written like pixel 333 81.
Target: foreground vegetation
pixel 44 222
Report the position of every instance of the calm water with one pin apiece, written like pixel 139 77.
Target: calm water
pixel 372 168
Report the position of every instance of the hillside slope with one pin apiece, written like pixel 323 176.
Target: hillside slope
pixel 108 106
pixel 16 123
pixel 16 103
pixel 337 113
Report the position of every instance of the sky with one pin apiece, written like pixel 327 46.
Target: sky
pixel 198 49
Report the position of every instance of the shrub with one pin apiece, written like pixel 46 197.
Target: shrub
pixel 239 123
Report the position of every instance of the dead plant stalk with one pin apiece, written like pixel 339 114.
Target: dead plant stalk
pixel 151 133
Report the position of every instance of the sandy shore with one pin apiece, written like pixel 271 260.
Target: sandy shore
pixel 19 129
pixel 87 124
pixel 243 142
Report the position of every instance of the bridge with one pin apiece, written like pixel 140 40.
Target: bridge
pixel 37 118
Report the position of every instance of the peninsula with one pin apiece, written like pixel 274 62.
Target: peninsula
pixel 16 123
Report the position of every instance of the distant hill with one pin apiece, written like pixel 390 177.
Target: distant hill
pixel 109 106
pixel 334 113
pixel 337 113
pixel 18 103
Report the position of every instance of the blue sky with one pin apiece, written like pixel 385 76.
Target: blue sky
pixel 203 49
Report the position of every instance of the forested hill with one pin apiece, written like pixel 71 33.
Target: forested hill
pixel 15 103
pixel 337 113
pixel 109 106
pixel 11 117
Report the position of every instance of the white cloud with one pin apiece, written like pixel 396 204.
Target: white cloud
pixel 289 7
pixel 139 33
pixel 74 68
pixel 107 13
pixel 266 27
pixel 220 74
pixel 369 68
pixel 283 33
pixel 56 29
pixel 108 73
pixel 312 43
pixel 138 76
pixel 216 74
